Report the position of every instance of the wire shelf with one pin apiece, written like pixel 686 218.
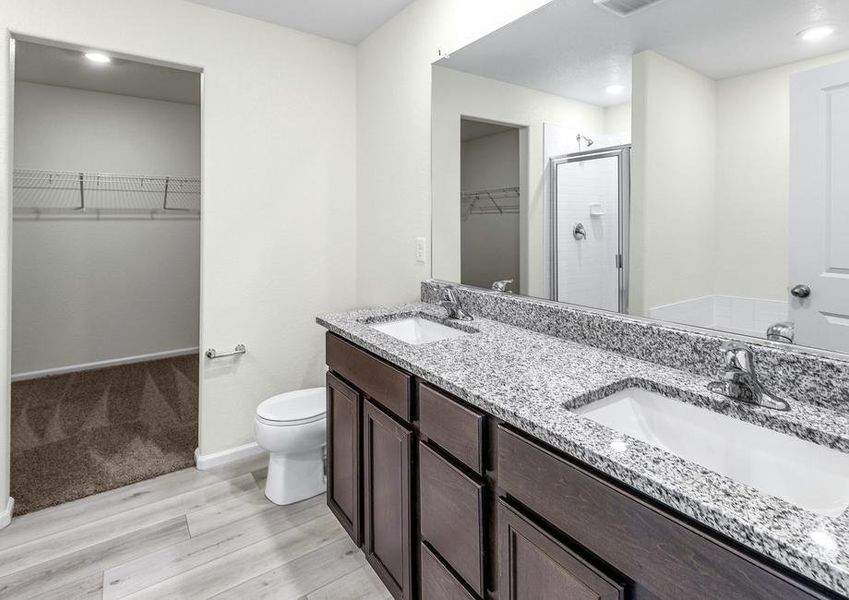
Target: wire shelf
pixel 492 201
pixel 40 191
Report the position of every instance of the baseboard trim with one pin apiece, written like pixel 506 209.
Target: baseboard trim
pixel 217 459
pixel 101 364
pixel 6 515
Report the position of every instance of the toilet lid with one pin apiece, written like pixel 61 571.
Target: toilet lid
pixel 294 408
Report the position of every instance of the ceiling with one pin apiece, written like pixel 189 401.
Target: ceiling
pixel 37 63
pixel 576 49
pixel 349 21
pixel 472 130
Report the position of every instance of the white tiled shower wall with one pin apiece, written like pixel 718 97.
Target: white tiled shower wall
pixel 749 316
pixel 587 271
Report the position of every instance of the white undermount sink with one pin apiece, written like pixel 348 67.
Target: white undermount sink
pixel 808 475
pixel 416 330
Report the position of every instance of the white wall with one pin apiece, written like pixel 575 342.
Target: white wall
pixel 673 183
pixel 74 130
pixel 277 233
pixel 753 161
pixel 747 131
pixel 394 132
pixel 457 94
pixel 90 290
pixel 490 241
pixel 85 289
pixel 617 119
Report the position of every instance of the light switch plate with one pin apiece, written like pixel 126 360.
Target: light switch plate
pixel 421 250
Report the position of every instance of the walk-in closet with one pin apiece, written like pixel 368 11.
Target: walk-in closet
pixel 106 272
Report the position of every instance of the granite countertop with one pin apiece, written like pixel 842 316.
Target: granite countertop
pixel 531 381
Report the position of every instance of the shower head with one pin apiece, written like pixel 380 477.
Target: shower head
pixel 587 140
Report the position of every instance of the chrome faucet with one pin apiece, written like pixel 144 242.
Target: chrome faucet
pixel 740 382
pixel 501 285
pixel 784 331
pixel 451 302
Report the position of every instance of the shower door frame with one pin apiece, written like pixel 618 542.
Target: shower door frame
pixel 623 154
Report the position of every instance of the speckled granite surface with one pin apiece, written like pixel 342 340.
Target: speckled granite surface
pixel 792 370
pixel 530 380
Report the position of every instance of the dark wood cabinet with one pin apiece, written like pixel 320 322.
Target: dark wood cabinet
pixel 438 583
pixel 385 384
pixel 451 516
pixel 448 503
pixel 664 556
pixel 455 428
pixel 532 564
pixel 344 427
pixel 387 501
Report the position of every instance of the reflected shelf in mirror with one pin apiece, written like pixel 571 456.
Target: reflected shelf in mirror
pixel 710 225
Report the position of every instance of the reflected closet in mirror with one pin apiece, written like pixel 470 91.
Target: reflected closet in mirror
pixel 675 163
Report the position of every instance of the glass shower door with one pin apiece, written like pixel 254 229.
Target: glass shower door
pixel 590 221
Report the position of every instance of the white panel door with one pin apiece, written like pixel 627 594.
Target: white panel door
pixel 819 205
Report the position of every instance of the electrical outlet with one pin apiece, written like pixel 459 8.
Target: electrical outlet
pixel 421 253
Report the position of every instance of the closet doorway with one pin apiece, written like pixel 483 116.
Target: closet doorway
pixel 105 272
pixel 490 223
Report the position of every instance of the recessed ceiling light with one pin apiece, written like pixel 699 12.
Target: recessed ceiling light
pixel 616 88
pixel 98 57
pixel 815 34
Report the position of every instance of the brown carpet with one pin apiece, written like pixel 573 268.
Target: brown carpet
pixel 79 434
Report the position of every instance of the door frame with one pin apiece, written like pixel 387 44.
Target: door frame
pixel 11 38
pixel 623 154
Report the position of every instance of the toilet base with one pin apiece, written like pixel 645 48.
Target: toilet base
pixel 295 477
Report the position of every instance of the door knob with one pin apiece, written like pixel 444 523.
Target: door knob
pixel 800 291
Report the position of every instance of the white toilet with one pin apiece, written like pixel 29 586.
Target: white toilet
pixel 292 427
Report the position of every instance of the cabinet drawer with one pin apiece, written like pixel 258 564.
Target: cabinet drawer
pixel 452 516
pixel 437 582
pixel 453 427
pixel 388 386
pixel 666 557
pixel 532 564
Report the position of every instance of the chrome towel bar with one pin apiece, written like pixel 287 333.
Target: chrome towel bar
pixel 239 349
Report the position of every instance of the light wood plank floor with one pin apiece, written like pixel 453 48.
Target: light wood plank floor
pixel 185 535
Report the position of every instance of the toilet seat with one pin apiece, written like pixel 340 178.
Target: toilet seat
pixel 293 408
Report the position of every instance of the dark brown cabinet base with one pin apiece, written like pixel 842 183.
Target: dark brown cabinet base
pixel 451 516
pixel 387 514
pixel 344 415
pixel 532 564
pixel 438 583
pixel 488 512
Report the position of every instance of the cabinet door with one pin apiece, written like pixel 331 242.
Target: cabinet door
pixel 437 582
pixel 344 444
pixel 451 516
pixel 532 565
pixel 387 499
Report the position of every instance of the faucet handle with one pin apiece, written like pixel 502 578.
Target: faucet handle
pixel 448 294
pixel 736 355
pixel 501 285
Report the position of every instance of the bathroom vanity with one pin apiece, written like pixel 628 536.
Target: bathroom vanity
pixel 462 470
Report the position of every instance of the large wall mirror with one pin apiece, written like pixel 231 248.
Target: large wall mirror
pixel 681 160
